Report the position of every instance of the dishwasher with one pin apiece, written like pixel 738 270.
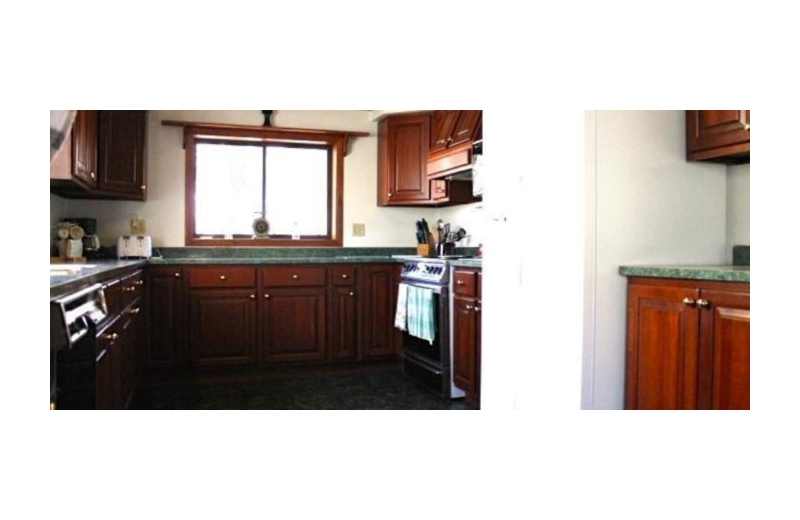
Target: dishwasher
pixel 73 324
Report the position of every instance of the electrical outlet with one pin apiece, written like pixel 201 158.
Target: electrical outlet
pixel 359 230
pixel 138 226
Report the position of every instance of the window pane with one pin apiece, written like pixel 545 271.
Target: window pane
pixel 227 188
pixel 297 191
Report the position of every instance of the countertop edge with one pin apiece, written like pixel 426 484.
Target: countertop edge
pixel 688 273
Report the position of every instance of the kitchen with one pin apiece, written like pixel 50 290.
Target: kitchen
pixel 258 293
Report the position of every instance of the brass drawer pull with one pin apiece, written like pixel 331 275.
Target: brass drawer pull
pixel 688 302
pixel 460 282
pixel 344 276
pixel 252 296
pixel 266 296
pixel 352 293
pixel 703 304
pixel 135 310
pixel 177 275
pixel 223 277
pixel 295 277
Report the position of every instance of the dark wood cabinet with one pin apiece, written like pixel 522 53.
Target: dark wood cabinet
pixel 403 143
pixel 122 156
pixel 293 324
pixel 442 125
pixel 84 147
pixel 344 323
pixel 718 135
pixel 466 129
pixel 222 326
pixel 165 316
pixel 688 345
pixel 380 338
pixel 107 157
pixel 456 154
pixel 467 303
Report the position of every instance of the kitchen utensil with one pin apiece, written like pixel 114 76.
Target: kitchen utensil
pixel 460 234
pixel 426 231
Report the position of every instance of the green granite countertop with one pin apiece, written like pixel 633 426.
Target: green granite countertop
pixel 718 273
pixel 468 262
pixel 372 259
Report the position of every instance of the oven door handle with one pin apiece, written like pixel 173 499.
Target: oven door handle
pixel 435 288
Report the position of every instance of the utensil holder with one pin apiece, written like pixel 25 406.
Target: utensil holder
pixel 445 249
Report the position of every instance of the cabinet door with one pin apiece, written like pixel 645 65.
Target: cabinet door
pixel 222 326
pixel 465 344
pixel 293 323
pixel 443 123
pixel 404 159
pixel 103 380
pixel 709 129
pixel 84 147
pixel 380 303
pixel 466 128
pixel 662 349
pixel 165 316
pixel 725 354
pixel 122 153
pixel 344 323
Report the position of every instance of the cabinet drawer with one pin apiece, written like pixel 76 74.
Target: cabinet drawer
pixel 344 275
pixel 465 283
pixel 288 276
pixel 222 277
pixel 131 287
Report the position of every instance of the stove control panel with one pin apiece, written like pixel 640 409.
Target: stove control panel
pixel 432 272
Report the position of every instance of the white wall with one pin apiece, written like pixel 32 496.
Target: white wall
pixel 164 209
pixel 651 207
pixel 737 227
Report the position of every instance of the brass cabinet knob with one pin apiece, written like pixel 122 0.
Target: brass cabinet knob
pixel 703 304
pixel 352 293
pixel 389 194
pixel 468 307
pixel 252 296
pixel 177 275
pixel 52 405
pixel 111 337
pixel 92 175
pixel 139 282
pixel 266 296
pixel 295 277
pixel 135 310
pixel 223 277
pixel 477 309
pixel 688 302
pixel 460 282
pixel 344 276
pixel 747 127
pixel 142 187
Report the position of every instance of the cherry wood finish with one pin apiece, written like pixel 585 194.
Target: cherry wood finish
pixel 293 324
pixel 467 127
pixel 335 141
pixel 467 303
pixel 293 276
pixel 84 147
pixel 403 143
pixel 122 153
pixel 725 340
pixel 221 276
pixel 718 135
pixel 452 192
pixel 166 324
pixel 222 326
pixel 684 355
pixel 465 282
pixel 344 323
pixel 443 124
pixel 380 338
pixel 343 275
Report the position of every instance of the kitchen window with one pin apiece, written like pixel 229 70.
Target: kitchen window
pixel 236 176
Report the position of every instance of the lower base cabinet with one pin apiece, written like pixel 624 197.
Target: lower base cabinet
pixel 381 339
pixel 222 327
pixel 688 345
pixel 293 324
pixel 117 362
pixel 467 303
pixel 343 324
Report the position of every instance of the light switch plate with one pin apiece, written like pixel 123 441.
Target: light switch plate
pixel 359 230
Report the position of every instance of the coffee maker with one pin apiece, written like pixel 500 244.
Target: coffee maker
pixel 91 242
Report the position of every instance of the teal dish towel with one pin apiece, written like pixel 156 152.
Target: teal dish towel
pixel 420 313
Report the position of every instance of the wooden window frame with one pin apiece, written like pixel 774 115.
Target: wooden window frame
pixel 337 143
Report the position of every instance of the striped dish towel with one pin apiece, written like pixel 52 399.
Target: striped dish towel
pixel 400 313
pixel 420 311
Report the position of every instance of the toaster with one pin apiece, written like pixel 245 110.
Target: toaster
pixel 134 246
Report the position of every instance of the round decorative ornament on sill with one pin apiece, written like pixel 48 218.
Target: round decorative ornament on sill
pixel 260 227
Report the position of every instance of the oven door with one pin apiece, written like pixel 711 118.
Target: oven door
pixel 428 363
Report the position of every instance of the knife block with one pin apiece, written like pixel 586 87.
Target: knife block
pixel 427 249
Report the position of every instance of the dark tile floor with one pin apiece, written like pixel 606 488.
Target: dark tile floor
pixel 378 387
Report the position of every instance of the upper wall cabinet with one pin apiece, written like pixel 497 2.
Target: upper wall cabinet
pixel 405 147
pixel 718 135
pixel 454 132
pixel 106 159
